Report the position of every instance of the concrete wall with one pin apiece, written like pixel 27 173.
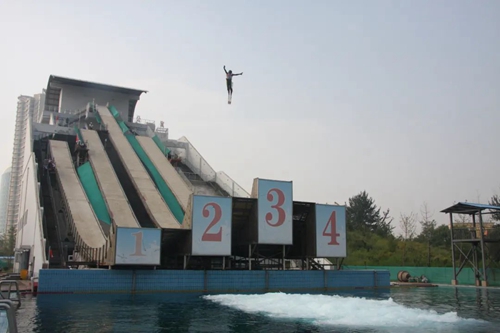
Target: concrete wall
pixel 131 281
pixel 29 225
pixel 76 98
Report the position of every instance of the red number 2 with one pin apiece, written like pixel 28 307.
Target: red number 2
pixel 277 206
pixel 213 237
pixel 332 222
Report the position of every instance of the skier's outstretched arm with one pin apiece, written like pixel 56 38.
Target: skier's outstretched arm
pixel 238 74
pixel 225 69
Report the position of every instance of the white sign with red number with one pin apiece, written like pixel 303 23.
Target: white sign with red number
pixel 211 227
pixel 330 231
pixel 275 212
pixel 138 246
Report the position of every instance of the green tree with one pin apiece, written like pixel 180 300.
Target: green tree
pixel 495 201
pixel 441 237
pixel 371 242
pixel 363 215
pixel 385 227
pixel 2 244
pixel 494 247
pixel 8 242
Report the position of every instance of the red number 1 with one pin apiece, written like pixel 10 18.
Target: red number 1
pixel 138 245
pixel 214 237
pixel 277 206
pixel 332 223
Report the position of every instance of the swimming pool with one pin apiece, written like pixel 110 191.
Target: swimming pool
pixel 441 309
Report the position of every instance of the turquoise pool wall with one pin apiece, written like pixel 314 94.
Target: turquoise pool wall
pixel 144 281
pixel 442 275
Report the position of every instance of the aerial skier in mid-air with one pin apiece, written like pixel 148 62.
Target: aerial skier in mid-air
pixel 229 83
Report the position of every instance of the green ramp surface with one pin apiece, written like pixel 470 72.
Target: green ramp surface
pixel 160 145
pixel 116 115
pixel 165 191
pixel 163 188
pixel 124 128
pixel 78 133
pixel 98 117
pixel 89 183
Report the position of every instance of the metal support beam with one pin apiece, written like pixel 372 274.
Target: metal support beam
pixel 454 281
pixel 284 266
pixel 249 257
pixel 483 258
pixel 474 235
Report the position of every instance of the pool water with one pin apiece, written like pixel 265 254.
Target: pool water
pixel 441 309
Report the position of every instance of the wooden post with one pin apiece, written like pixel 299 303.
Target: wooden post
pixel 454 281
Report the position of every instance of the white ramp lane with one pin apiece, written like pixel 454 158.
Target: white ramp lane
pixel 153 201
pixel 85 221
pixel 112 191
pixel 174 181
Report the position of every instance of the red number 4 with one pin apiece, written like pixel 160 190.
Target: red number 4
pixel 332 232
pixel 212 237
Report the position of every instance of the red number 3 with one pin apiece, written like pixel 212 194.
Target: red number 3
pixel 213 237
pixel 277 206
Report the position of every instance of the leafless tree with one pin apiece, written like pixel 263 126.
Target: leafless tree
pixel 462 218
pixel 428 226
pixel 408 225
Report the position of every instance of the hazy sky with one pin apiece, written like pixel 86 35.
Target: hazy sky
pixel 398 98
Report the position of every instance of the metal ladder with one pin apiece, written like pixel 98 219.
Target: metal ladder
pixel 8 323
pixel 9 294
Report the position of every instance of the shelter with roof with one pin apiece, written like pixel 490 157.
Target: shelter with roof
pixel 469 240
pixel 66 95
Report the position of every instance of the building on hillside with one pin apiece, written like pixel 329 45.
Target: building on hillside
pixel 4 198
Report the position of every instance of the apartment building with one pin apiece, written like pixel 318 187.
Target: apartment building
pixel 29 108
pixel 4 198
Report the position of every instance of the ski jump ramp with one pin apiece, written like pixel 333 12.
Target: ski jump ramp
pixel 86 227
pixel 177 185
pixel 112 191
pixel 153 201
